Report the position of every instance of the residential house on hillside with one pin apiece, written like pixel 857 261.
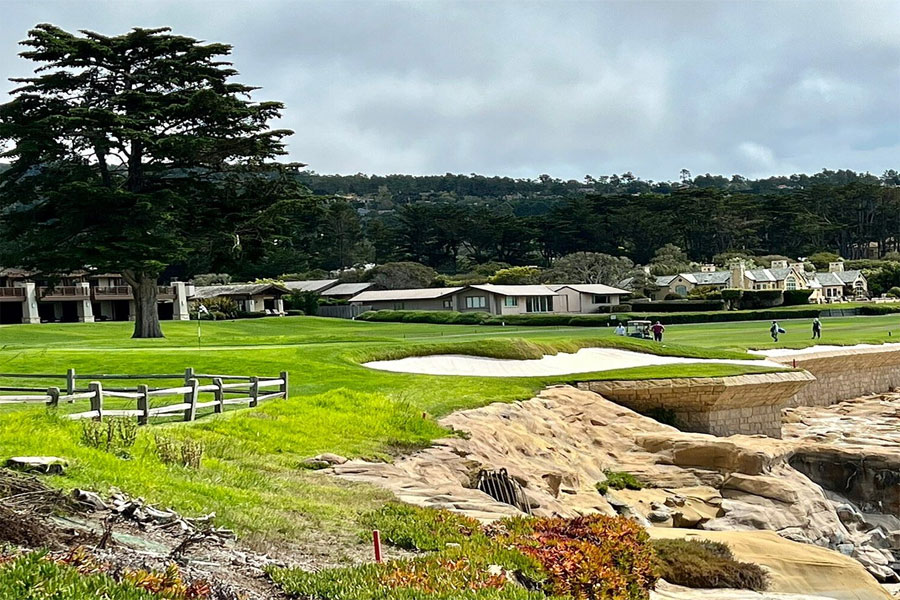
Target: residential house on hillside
pixel 781 275
pixel 589 297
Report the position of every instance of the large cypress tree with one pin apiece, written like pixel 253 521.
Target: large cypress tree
pixel 125 155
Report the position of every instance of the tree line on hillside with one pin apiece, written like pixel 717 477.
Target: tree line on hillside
pixel 854 215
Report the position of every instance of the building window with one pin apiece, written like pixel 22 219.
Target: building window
pixel 398 305
pixel 475 302
pixel 539 304
pixel 790 283
pixel 448 304
pixel 601 299
pixel 681 290
pixel 510 301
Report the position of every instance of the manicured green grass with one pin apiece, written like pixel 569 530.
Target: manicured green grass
pixel 250 474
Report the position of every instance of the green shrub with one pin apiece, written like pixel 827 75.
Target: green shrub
pixel 414 528
pixel 307 302
pixel 673 296
pixel 732 295
pixel 38 576
pixel 596 557
pixel 224 306
pixel 796 297
pixel 618 480
pixel 753 299
pixel 115 435
pixel 705 564
pixel 879 309
pixel 186 453
pixel 293 312
pixel 894 292
pixel 679 306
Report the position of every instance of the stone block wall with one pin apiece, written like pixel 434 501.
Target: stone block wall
pixel 746 404
pixel 845 374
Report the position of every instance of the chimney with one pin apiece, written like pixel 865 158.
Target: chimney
pixel 707 268
pixel 836 267
pixel 737 274
pixel 779 264
pixel 799 267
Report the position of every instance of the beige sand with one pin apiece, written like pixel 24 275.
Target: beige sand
pixel 586 360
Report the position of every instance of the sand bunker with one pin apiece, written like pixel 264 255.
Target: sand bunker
pixel 586 360
pixel 778 352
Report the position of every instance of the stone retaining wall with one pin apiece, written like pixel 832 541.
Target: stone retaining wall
pixel 845 374
pixel 746 404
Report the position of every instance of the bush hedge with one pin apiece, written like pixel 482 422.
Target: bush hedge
pixel 753 299
pixel 705 564
pixel 597 320
pixel 678 306
pixel 796 297
pixel 879 309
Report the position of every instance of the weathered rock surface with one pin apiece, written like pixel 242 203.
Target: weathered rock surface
pixel 793 568
pixel 558 445
pixel 38 464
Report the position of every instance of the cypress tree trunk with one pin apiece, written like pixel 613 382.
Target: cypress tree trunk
pixel 144 289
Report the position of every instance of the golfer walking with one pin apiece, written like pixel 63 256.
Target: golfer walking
pixel 775 330
pixel 816 329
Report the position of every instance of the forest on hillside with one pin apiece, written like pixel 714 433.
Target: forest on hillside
pixel 451 222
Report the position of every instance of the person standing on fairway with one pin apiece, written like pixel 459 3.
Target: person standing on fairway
pixel 775 330
pixel 817 329
pixel 658 329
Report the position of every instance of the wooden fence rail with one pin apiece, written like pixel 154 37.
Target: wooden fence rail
pixel 247 387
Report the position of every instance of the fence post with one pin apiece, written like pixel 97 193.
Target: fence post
pixel 97 399
pixel 254 391
pixel 70 382
pixel 284 385
pixel 220 395
pixel 143 404
pixel 54 396
pixel 191 413
pixel 188 375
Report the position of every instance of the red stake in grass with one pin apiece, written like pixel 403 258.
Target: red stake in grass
pixel 376 541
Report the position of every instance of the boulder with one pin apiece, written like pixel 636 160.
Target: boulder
pixel 51 465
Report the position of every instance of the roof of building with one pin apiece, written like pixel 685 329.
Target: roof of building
pixel 515 290
pixel 237 289
pixel 661 280
pixel 589 288
pixel 712 278
pixel 347 289
pixel 829 279
pixel 312 285
pixel 847 276
pixel 411 294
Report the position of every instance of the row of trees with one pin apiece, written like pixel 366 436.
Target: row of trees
pixel 859 219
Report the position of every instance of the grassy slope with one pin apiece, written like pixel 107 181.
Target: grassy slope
pixel 250 475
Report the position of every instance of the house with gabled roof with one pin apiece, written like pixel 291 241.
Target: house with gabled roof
pixel 589 298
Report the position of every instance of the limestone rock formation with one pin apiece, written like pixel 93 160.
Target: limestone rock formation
pixel 558 445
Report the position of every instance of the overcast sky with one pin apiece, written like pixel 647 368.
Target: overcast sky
pixel 565 88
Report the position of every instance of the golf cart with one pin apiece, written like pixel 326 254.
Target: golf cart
pixel 638 329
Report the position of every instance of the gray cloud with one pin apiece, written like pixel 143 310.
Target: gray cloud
pixel 567 88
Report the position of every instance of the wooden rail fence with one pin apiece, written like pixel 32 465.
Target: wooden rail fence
pixel 226 390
